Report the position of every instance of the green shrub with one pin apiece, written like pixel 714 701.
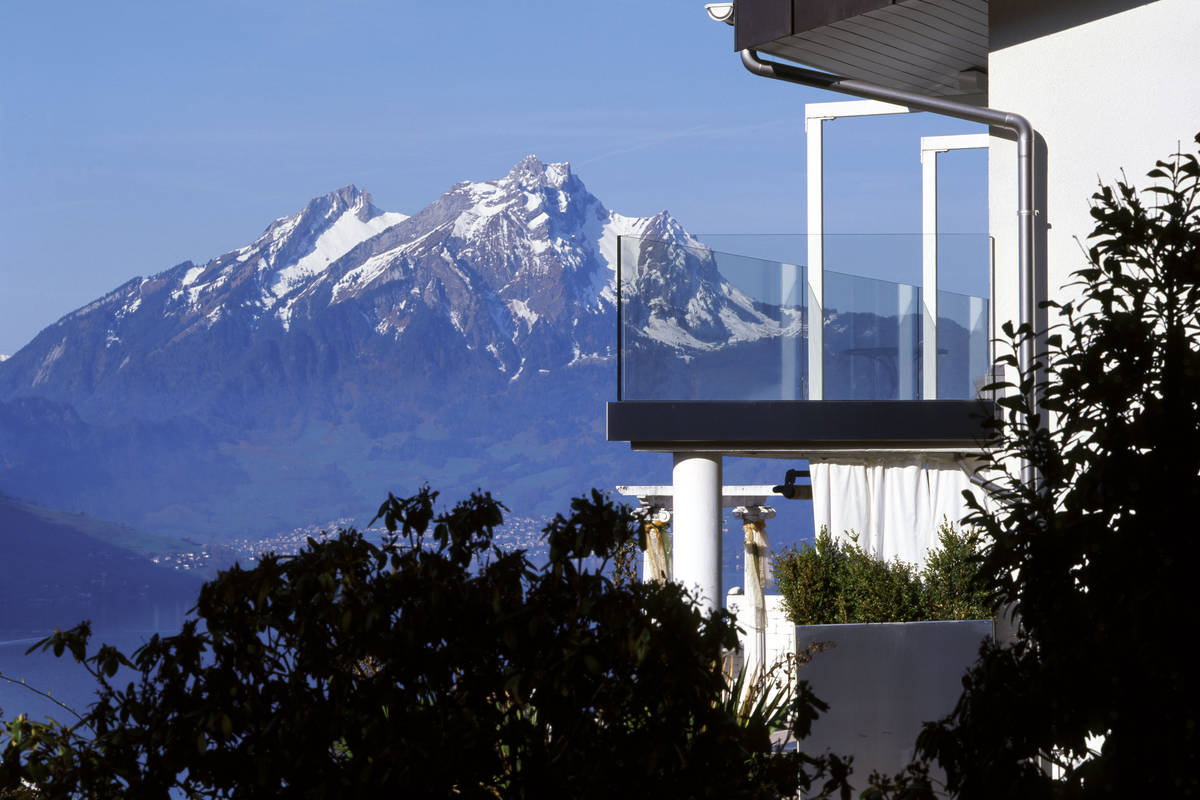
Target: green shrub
pixel 953 589
pixel 838 582
pixel 810 580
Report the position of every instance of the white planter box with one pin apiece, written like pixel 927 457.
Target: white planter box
pixel 882 681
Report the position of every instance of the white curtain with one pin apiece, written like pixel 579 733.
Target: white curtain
pixel 894 502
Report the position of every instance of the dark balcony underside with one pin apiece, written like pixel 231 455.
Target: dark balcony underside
pixel 799 426
pixel 926 46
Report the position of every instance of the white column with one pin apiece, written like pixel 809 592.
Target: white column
pixel 656 560
pixel 696 543
pixel 816 259
pixel 755 572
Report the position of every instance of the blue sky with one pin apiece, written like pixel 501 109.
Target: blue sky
pixel 134 136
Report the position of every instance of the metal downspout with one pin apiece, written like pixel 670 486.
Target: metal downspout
pixel 987 116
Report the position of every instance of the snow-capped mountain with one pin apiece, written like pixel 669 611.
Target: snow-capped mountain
pixel 677 297
pixel 495 279
pixel 348 351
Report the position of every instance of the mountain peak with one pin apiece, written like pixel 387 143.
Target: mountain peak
pixel 531 172
pixel 349 194
pixel 339 201
pixel 665 226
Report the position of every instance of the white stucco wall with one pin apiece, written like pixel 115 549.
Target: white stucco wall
pixel 1107 84
pixel 781 632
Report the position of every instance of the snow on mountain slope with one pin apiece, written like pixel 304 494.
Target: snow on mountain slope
pixel 347 349
pixel 281 263
pixel 677 296
pixel 517 275
pixel 538 224
pixel 333 243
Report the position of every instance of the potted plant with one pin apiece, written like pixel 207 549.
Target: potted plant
pixel 897 639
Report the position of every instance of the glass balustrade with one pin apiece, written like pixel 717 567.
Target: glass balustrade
pixel 700 323
pixel 962 340
pixel 872 339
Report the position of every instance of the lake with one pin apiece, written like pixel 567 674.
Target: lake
pixel 62 678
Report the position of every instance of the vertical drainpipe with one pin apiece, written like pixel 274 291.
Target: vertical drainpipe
pixel 986 116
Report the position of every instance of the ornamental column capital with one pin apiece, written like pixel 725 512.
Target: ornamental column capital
pixel 750 514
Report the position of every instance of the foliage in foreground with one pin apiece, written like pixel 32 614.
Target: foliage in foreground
pixel 430 665
pixel 1098 696
pixel 831 582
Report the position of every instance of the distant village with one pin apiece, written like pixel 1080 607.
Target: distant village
pixel 207 559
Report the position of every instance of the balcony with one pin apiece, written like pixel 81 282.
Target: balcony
pixel 716 347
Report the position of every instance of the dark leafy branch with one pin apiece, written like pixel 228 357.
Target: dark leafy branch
pixel 429 663
pixel 1097 558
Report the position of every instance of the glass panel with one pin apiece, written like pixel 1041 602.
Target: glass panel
pixel 872 339
pixel 701 322
pixel 962 337
pixel 703 325
pixel 883 257
pixel 963 315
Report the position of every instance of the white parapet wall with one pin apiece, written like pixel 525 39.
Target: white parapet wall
pixel 781 632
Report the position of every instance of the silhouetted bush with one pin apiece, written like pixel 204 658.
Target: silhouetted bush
pixel 427 665
pixel 1090 547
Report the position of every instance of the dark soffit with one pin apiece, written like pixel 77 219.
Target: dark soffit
pixel 925 46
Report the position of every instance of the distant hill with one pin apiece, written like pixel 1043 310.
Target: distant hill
pixel 62 568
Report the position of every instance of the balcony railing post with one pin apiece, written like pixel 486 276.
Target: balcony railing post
pixel 816 258
pixel 815 116
pixel 931 148
pixel 620 322
pixel 929 275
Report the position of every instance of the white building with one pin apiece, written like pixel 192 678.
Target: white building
pixel 1084 87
